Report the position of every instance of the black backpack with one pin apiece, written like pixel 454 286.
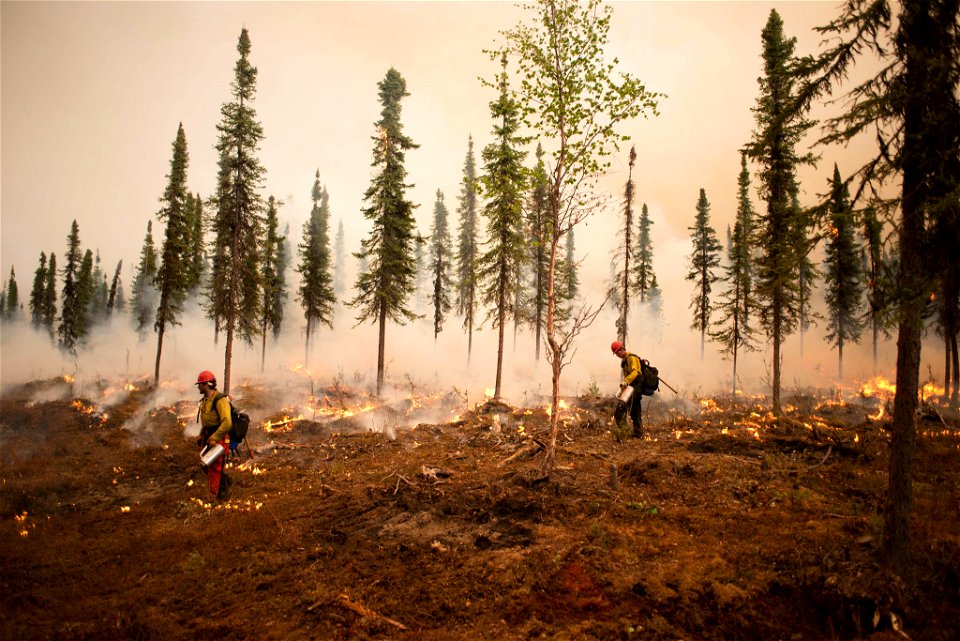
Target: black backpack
pixel 239 420
pixel 650 378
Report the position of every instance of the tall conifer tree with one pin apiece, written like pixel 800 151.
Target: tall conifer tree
pixel 644 275
pixel 36 292
pixel 50 296
pixel 340 266
pixel 274 279
pixel 316 291
pixel 173 275
pixel 504 183
pixel 440 268
pixel 115 296
pixel 778 131
pixel 12 309
pixel 384 287
pixel 468 251
pixel 71 311
pixel 842 279
pixel 732 329
pixel 621 281
pixel 704 260
pixel 234 295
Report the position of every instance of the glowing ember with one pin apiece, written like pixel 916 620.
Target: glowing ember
pixel 67 378
pixel 488 393
pixel 124 509
pixel 130 387
pixel 283 425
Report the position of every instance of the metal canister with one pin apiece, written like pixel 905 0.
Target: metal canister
pixel 626 394
pixel 211 453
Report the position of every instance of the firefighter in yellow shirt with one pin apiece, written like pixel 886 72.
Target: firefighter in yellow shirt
pixel 630 367
pixel 215 421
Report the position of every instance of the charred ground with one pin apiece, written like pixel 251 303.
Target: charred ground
pixel 723 523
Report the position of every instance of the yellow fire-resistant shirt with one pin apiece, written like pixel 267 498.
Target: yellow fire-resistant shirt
pixel 631 368
pixel 216 417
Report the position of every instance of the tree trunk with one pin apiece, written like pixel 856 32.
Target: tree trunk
pixel 156 369
pixel 263 347
pixel 555 362
pixel 777 329
pixel 501 321
pixel 228 359
pixel 381 348
pixel 469 339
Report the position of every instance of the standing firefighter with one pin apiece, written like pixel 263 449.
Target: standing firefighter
pixel 631 377
pixel 215 420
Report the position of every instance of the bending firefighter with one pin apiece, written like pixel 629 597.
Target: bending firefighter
pixel 631 370
pixel 215 421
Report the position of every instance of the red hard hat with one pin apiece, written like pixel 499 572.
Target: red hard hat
pixel 615 346
pixel 206 377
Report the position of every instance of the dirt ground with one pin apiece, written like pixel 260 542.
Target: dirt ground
pixel 722 523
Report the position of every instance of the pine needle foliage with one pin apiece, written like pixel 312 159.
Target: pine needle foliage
pixel 440 267
pixel 468 250
pixel 704 261
pixel 387 279
pixel 316 292
pixel 234 301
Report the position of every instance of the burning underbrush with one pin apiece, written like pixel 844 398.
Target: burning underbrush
pixel 426 516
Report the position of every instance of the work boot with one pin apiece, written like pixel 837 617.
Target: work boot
pixel 637 432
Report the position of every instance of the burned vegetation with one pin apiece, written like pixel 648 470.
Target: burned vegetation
pixel 427 518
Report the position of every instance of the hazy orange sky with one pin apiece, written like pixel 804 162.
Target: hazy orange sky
pixel 93 92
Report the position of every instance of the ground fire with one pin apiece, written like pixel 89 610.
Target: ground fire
pixel 424 516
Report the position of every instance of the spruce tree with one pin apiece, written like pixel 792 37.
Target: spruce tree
pixel 316 293
pixel 274 279
pixel 115 297
pixel 12 309
pixel 143 294
pixel 624 256
pixel 704 260
pixel 842 278
pixel 504 183
pixel 440 267
pixel 36 292
pixel 877 274
pixel 537 225
pixel 644 275
pixel 234 295
pixel 98 306
pixel 384 286
pixel 468 251
pixel 173 276
pixel 71 311
pixel 732 329
pixel 50 296
pixel 85 292
pixel 778 131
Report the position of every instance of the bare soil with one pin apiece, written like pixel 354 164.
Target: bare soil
pixel 723 522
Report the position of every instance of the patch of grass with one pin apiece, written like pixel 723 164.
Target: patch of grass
pixel 643 510
pixel 193 563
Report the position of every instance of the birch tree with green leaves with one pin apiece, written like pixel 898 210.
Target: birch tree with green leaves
pixel 572 98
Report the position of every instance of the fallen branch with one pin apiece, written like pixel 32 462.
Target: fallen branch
pixel 346 603
pixel 823 460
pixel 528 450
